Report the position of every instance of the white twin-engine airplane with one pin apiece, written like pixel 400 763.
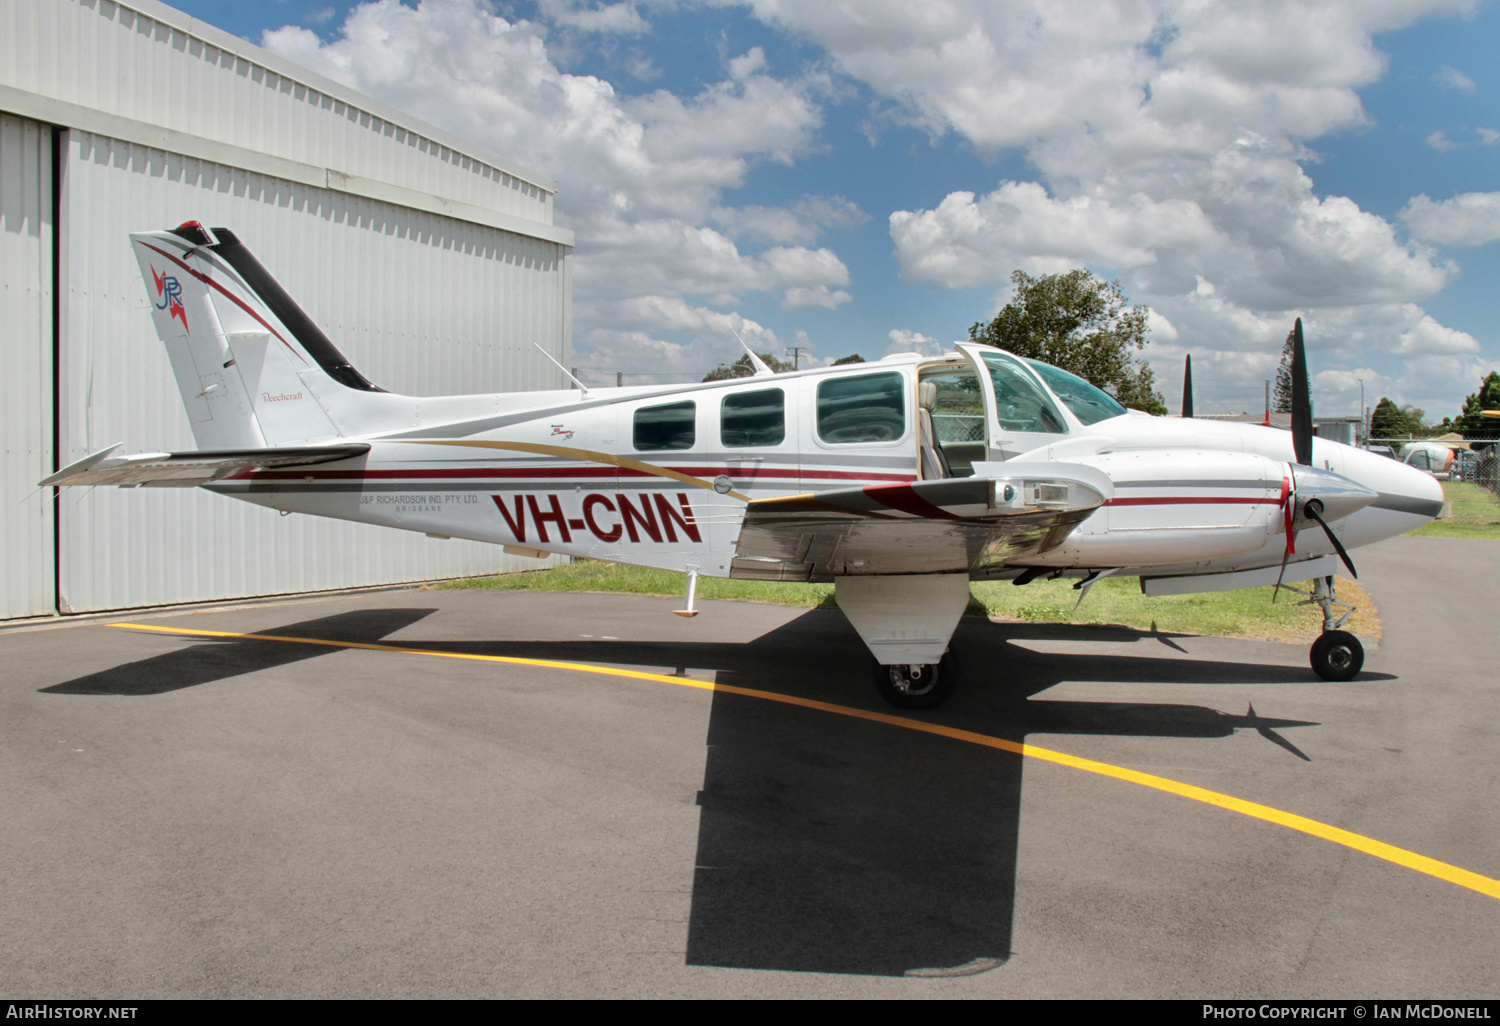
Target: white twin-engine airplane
pixel 900 481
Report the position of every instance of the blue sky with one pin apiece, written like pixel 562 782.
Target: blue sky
pixel 863 176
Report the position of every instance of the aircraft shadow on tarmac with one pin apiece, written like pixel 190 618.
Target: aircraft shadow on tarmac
pixel 837 845
pixel 826 843
pixel 206 660
pixel 830 844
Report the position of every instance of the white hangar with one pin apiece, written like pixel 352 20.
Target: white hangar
pixel 433 265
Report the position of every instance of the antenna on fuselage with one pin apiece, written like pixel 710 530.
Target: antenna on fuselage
pixel 581 386
pixel 761 370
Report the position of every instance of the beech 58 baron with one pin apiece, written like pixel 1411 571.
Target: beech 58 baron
pixel 836 474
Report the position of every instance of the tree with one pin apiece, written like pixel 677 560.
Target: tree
pixel 1082 324
pixel 1471 422
pixel 1392 421
pixel 1386 420
pixel 851 358
pixel 743 368
pixel 1281 392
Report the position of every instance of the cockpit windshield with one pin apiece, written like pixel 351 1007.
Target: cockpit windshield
pixel 1088 403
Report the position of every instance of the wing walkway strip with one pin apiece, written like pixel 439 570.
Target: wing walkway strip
pixel 1358 842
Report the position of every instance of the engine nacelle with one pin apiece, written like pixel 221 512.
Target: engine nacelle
pixel 1176 506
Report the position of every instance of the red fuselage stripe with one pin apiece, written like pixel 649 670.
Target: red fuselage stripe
pixel 552 472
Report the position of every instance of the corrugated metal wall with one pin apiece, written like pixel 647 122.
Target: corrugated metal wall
pixel 421 304
pixel 433 264
pixel 26 552
pixel 148 62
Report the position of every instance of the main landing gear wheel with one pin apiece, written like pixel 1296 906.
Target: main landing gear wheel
pixel 918 686
pixel 1337 655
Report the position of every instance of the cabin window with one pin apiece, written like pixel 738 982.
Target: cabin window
pixel 868 408
pixel 753 418
pixel 1019 404
pixel 665 427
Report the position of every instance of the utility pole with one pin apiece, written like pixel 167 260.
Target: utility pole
pixel 1364 427
pixel 619 378
pixel 796 354
pixel 1268 402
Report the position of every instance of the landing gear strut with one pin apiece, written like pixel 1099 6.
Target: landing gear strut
pixel 1336 655
pixel 906 622
pixel 918 685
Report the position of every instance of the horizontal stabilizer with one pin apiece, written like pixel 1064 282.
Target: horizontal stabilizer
pixel 189 469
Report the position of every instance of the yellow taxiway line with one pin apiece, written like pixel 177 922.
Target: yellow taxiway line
pixel 1358 842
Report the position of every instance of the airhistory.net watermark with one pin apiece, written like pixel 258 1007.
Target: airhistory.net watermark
pixel 54 1010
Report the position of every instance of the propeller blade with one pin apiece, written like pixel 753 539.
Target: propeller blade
pixel 1187 387
pixel 1277 590
pixel 1314 512
pixel 1302 426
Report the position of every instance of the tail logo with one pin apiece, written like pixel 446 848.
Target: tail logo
pixel 169 290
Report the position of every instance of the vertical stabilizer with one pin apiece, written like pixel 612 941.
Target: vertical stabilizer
pixel 218 404
pixel 252 367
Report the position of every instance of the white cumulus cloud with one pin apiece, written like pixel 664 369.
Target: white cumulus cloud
pixel 904 340
pixel 612 19
pixel 1170 141
pixel 642 177
pixel 1454 79
pixel 1439 141
pixel 1469 219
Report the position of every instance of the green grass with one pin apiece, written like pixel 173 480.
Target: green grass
pixel 1245 613
pixel 1475 514
pixel 1248 613
pixel 589 575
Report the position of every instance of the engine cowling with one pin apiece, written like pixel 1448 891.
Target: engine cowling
pixel 1172 507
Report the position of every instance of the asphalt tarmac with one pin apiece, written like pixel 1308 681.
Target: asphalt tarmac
pixel 217 816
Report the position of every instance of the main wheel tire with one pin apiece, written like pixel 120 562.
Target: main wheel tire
pixel 1337 655
pixel 918 687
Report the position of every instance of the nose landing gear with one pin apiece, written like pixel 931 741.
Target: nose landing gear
pixel 1337 655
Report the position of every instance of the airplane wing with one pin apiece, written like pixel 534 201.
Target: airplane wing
pixel 973 524
pixel 189 469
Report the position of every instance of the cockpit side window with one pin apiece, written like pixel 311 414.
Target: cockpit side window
pixel 1019 404
pixel 1089 404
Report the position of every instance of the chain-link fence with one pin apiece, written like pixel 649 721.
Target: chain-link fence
pixel 959 427
pixel 1479 465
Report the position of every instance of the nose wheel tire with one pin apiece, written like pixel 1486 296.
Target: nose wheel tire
pixel 1337 655
pixel 918 686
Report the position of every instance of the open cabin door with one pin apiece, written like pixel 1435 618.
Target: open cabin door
pixel 1020 415
pixel 953 423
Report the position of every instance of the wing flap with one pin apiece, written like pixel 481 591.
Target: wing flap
pixel 972 524
pixel 189 469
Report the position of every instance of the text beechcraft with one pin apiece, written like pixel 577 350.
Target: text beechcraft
pixel 899 481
